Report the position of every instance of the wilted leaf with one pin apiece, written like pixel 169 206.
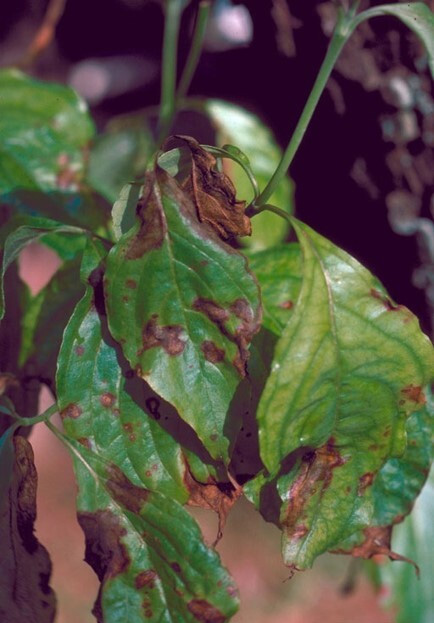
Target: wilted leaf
pixel 44 129
pixel 245 130
pixel 416 15
pixel 213 194
pixel 184 307
pixel 347 371
pixel 25 568
pixel 147 551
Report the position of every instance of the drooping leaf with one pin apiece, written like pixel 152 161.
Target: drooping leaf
pixel 184 307
pixel 416 15
pixel 44 130
pixel 25 568
pixel 147 551
pixel 347 371
pixel 119 155
pixel 239 127
pixel 22 234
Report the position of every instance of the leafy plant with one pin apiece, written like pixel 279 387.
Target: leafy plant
pixel 169 332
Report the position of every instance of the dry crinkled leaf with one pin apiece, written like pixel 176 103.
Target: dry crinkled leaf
pixel 214 194
pixel 25 567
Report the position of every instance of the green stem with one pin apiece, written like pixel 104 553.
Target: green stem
pixel 195 50
pixel 173 11
pixel 268 207
pixel 29 421
pixel 340 36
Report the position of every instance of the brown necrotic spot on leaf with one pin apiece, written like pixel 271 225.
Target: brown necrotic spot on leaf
pixel 205 612
pixel 124 491
pixel 79 350
pixel 84 441
pixel 286 305
pixel 105 552
pixel 72 410
pixel 388 304
pixel 130 283
pixel 211 352
pixel 365 481
pixel 414 393
pixel 213 194
pixel 315 474
pixel 107 400
pixel 145 578
pixel 215 312
pixel 153 226
pixel 167 337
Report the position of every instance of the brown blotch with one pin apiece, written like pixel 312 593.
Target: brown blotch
pixel 211 352
pixel 107 400
pixel 125 299
pixel 315 473
pixel 105 552
pixel 72 410
pixel 167 337
pixel 215 312
pixel 175 566
pixel 299 532
pixel 145 578
pixel 205 612
pixel 132 437
pixel 148 613
pixel 415 394
pixel 377 541
pixel 213 194
pixel 79 350
pixel 153 225
pixel 130 283
pixel 124 491
pixel 84 441
pixel 286 305
pixel 128 427
pixel 365 481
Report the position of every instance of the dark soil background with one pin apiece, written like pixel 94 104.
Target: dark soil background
pixel 360 176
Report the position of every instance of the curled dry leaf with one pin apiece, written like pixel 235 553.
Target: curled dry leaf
pixel 213 194
pixel 218 497
pixel 25 567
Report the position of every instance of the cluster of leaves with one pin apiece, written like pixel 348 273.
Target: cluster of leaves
pixel 192 362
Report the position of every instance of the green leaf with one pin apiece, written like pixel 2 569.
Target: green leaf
pixel 22 234
pixel 184 307
pixel 410 595
pixel 147 551
pixel 347 372
pixel 124 209
pixel 279 272
pixel 239 127
pixel 119 156
pixel 44 129
pixel 105 407
pixel 416 15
